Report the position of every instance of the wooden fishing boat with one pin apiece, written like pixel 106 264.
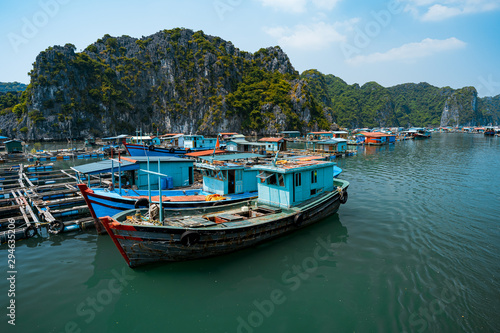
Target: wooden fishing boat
pixel 226 180
pixel 291 195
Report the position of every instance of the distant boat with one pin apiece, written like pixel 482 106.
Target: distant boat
pixel 419 133
pixel 489 131
pixel 291 195
pixel 134 150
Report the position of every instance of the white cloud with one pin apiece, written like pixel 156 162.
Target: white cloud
pixel 314 36
pixel 439 10
pixel 298 6
pixel 410 52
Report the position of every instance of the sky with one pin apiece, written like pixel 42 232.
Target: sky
pixel 445 43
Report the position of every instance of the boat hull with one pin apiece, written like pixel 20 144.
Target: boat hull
pixel 141 245
pixel 142 150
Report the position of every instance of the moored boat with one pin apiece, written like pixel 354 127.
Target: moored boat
pixel 291 195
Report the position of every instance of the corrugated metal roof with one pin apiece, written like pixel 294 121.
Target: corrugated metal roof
pixel 105 166
pixel 272 139
pixel 231 157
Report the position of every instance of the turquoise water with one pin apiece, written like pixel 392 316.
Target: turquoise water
pixel 415 249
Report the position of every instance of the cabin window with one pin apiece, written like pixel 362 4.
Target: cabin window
pixel 314 176
pixel 264 176
pixel 298 179
pixel 281 180
pixel 272 180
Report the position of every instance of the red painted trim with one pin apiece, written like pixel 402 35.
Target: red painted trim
pixel 129 238
pixel 106 223
pixel 85 191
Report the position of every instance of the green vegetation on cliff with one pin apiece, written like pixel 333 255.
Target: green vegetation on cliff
pixel 11 86
pixel 184 81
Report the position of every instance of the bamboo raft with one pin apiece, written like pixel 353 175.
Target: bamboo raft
pixel 34 201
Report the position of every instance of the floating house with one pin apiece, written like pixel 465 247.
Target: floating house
pixel 290 134
pixel 332 145
pixel 13 146
pixel 377 138
pixel 319 135
pixel 198 141
pixel 340 134
pixel 274 144
pixel 242 145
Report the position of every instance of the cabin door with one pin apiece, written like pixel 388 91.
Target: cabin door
pixel 230 182
pixel 297 187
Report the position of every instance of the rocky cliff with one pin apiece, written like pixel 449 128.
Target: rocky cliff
pixel 173 81
pixel 184 81
pixel 405 105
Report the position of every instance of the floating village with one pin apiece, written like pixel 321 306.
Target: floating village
pixel 176 197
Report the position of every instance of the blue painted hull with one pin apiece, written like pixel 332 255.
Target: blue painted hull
pixel 104 203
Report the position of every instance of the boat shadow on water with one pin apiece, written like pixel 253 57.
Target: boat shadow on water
pixel 320 239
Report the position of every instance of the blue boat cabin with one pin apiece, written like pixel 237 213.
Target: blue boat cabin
pixel 291 182
pixel 224 177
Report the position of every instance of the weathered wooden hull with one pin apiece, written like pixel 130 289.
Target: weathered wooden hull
pixel 141 245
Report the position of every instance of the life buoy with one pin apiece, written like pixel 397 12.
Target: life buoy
pixel 151 147
pixel 189 238
pixel 30 231
pixel 56 227
pixel 142 202
pixel 297 219
pixel 343 197
pixel 172 150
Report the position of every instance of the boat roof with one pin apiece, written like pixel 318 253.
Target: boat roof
pixel 231 157
pixel 331 141
pixel 158 158
pixel 121 136
pixel 105 166
pixel 204 153
pixel 289 166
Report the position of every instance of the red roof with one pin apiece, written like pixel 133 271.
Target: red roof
pixel 272 139
pixel 375 134
pixel 320 132
pixel 205 153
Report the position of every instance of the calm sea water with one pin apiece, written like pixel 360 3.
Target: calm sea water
pixel 415 249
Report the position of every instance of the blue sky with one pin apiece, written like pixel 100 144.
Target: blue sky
pixel 445 43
